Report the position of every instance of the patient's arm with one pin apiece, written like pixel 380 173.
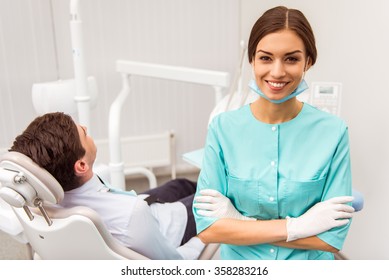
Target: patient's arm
pixel 144 235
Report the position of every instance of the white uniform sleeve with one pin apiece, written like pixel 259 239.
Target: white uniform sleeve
pixel 145 237
pixel 191 250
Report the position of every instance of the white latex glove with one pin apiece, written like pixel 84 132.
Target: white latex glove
pixel 321 217
pixel 212 203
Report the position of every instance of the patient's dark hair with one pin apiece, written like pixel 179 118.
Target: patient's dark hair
pixel 53 142
pixel 281 18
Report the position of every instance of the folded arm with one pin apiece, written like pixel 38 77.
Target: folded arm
pixel 300 233
pixel 308 243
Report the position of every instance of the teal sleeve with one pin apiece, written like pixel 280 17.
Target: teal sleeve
pixel 338 183
pixel 212 174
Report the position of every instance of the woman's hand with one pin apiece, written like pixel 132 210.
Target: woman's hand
pixel 321 217
pixel 212 203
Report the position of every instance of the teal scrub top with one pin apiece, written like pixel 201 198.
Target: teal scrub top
pixel 271 171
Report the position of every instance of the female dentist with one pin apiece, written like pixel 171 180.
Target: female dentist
pixel 276 180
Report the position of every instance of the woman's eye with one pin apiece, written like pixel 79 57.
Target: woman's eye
pixel 292 59
pixel 265 58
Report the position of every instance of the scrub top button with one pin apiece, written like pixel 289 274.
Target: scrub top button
pixel 274 128
pixel 271 198
pixel 273 163
pixel 272 250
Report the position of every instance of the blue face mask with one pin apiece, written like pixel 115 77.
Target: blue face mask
pixel 301 87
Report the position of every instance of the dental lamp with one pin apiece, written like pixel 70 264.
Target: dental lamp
pixel 74 96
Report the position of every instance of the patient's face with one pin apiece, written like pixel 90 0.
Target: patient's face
pixel 88 144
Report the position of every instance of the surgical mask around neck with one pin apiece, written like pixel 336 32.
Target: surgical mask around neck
pixel 300 88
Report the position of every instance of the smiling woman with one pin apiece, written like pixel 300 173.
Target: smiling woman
pixel 260 192
pixel 279 72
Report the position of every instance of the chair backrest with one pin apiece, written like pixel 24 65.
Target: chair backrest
pixel 55 232
pixel 52 231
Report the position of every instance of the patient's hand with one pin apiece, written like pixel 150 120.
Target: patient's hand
pixel 211 203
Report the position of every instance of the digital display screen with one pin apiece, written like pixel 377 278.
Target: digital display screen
pixel 326 89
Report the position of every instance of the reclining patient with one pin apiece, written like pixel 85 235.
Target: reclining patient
pixel 158 223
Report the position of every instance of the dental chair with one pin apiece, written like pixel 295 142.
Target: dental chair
pixel 54 232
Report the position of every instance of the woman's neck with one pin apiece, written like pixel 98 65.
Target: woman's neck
pixel 267 112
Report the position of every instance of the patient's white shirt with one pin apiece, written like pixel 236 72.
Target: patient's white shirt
pixel 155 231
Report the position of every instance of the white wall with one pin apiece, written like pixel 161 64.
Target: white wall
pixel 35 47
pixel 27 55
pixel 353 42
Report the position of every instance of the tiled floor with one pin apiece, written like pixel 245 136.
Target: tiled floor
pixel 11 249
